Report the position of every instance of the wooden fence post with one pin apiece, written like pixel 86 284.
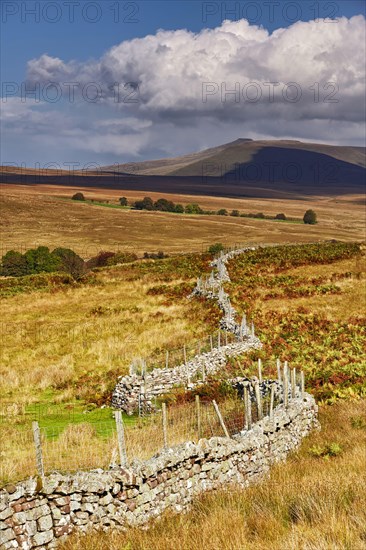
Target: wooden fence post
pixel 293 383
pixel 248 408
pixel 279 371
pixel 167 359
pixel 219 339
pixel 259 401
pixel 302 383
pixel 225 337
pixel 203 372
pixel 245 397
pixel 271 402
pixel 285 385
pixel 38 448
pixel 260 370
pixel 165 425
pixel 221 420
pixel 188 377
pixel 198 412
pixel 211 343
pixel 185 354
pixel 121 438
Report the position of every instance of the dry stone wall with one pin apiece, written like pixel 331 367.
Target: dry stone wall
pixel 39 513
pixel 134 388
pixel 32 517
pixel 191 374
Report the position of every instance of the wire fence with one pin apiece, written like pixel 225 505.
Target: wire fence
pixel 183 354
pixel 70 447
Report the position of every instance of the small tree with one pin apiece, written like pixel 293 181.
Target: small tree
pixel 310 217
pixel 14 264
pixel 146 204
pixel 235 213
pixel 70 262
pixel 164 205
pixel 193 208
pixel 123 201
pixel 41 260
pixel 280 217
pixel 222 212
pixel 78 197
pixel 216 248
pixel 179 208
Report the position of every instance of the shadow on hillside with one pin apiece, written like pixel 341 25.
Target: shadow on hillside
pixel 294 167
pixel 273 172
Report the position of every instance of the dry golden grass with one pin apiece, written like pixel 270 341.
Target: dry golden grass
pixel 35 215
pixel 84 445
pixel 51 338
pixel 308 503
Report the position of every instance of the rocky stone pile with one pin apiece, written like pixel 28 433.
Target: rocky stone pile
pixel 39 516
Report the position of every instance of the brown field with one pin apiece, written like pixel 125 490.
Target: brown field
pixel 37 215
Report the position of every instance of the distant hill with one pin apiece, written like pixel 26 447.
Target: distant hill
pixel 240 151
pixel 240 168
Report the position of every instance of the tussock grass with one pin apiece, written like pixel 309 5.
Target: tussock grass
pixel 308 503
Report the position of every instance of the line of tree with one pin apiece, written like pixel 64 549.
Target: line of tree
pixel 64 260
pixel 42 260
pixel 165 205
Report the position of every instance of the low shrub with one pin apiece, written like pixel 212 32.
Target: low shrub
pixel 78 197
pixel 216 248
pixel 326 451
pixel 122 258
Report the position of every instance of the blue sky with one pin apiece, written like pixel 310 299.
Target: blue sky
pixel 96 27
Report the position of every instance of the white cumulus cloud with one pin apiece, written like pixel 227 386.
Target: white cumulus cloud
pixel 305 81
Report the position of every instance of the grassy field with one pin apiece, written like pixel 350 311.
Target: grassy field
pixel 78 338
pixel 63 346
pixel 35 215
pixel 309 503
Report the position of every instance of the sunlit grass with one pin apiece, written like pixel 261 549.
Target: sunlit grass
pixel 308 503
